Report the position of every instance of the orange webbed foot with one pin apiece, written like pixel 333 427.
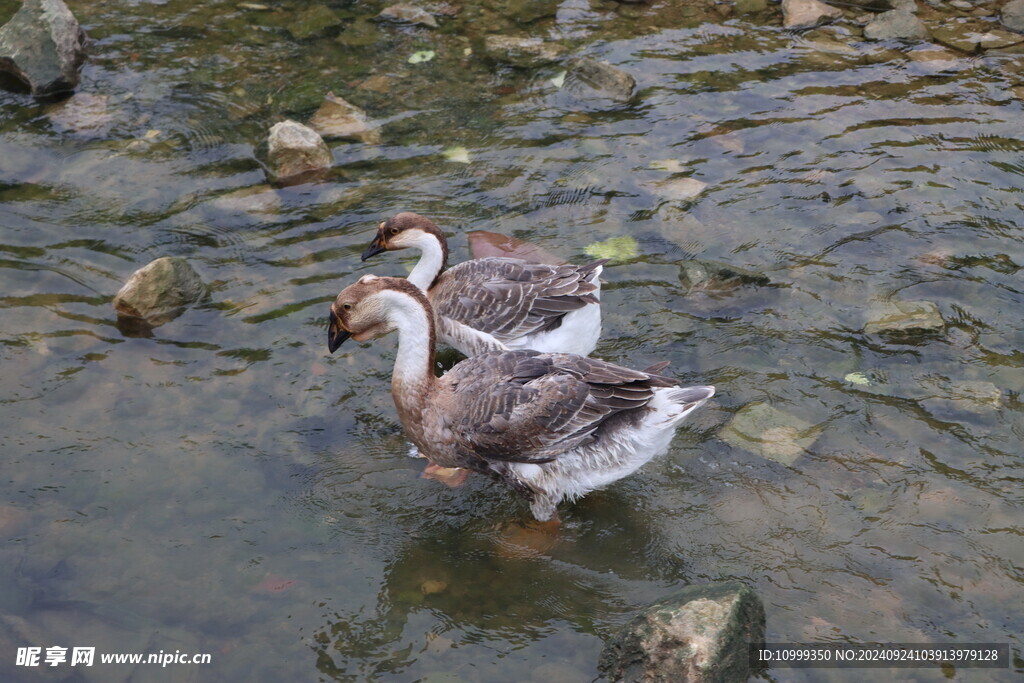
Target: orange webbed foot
pixel 452 477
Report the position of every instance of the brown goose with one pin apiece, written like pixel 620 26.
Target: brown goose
pixel 496 303
pixel 551 425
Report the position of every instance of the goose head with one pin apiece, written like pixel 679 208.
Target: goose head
pixel 406 230
pixel 372 307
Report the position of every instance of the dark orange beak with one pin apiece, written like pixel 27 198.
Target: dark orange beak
pixel 336 333
pixel 378 245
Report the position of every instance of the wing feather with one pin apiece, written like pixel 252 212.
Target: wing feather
pixel 509 298
pixel 525 406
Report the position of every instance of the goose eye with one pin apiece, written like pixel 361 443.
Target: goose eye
pixel 347 307
pixel 394 231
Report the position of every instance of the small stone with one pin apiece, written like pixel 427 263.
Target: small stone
pixel 750 6
pixel 1012 16
pixel 961 4
pixel 410 14
pixel 857 378
pixel 421 56
pixel 160 291
pixel 379 83
pixel 312 22
pixel 602 78
pixel 359 33
pixel 337 118
pixel 42 47
pixel 771 433
pixel 888 317
pixel 680 189
pixel 296 152
pixel 523 52
pixel 699 634
pixel 908 6
pixel 807 13
pixel 896 24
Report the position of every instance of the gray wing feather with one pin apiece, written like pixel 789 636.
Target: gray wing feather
pixel 509 298
pixel 525 406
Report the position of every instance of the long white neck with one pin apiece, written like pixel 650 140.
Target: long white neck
pixel 415 359
pixel 431 261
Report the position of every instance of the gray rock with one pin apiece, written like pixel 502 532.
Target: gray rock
pixel 889 317
pixel 296 152
pixel 160 291
pixel 909 6
pixel 337 118
pixel 313 21
pixel 409 14
pixel 41 46
pixel 603 79
pixel 750 6
pixel 769 432
pixel 702 274
pixel 807 13
pixel 523 52
pixel 961 4
pixel 699 634
pixel 1013 15
pixel 896 24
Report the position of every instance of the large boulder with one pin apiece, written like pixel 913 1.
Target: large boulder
pixel 296 153
pixel 42 47
pixel 896 24
pixel 807 13
pixel 160 291
pixel 699 634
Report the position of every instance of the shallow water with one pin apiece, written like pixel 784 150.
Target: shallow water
pixel 228 487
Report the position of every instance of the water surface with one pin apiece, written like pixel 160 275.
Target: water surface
pixel 227 486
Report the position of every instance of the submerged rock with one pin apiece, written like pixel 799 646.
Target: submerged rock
pixel 523 52
pixel 159 292
pixel 903 317
pixel 407 13
pixel 680 189
pixel 1012 16
pixel 41 47
pixel 807 13
pixel 972 37
pixel 337 118
pixel 896 24
pixel 296 153
pixel 603 79
pixel 313 21
pixel 771 433
pixel 705 275
pixel 699 634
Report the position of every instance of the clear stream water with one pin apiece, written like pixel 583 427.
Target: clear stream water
pixel 228 487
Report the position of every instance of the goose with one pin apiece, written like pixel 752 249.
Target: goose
pixel 553 426
pixel 498 303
